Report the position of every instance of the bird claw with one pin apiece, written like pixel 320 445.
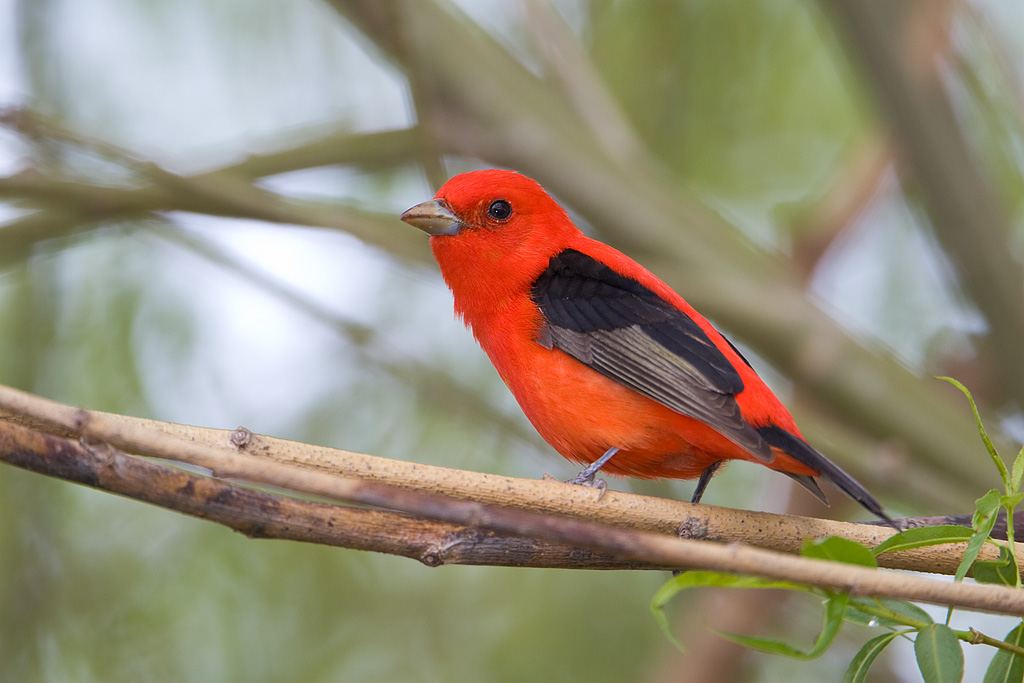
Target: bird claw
pixel 590 481
pixel 583 479
pixel 601 485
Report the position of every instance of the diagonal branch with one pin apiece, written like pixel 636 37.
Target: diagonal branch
pixel 64 205
pixel 969 220
pixel 72 204
pixel 35 435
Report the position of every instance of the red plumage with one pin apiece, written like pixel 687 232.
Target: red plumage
pixel 598 351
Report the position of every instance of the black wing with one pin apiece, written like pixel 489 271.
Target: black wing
pixel 626 332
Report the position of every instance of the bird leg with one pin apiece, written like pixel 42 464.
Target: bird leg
pixel 587 476
pixel 690 529
pixel 705 478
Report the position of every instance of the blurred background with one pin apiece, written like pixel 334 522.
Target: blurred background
pixel 198 223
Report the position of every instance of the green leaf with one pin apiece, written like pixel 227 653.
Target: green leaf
pixel 901 613
pixel 1009 503
pixel 1017 473
pixel 999 573
pixel 699 579
pixel 858 670
pixel 702 579
pixel 981 430
pixel 939 655
pixel 985 516
pixel 839 550
pixel 835 607
pixel 1011 500
pixel 1005 666
pixel 986 506
pixel 924 536
pixel 1002 571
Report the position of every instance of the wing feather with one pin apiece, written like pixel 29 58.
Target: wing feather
pixel 626 332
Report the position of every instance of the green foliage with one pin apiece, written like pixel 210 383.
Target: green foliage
pixel 887 612
pixel 987 507
pixel 707 579
pixel 939 655
pixel 839 550
pixel 860 665
pixel 937 647
pixel 1007 667
pixel 835 606
pixel 923 536
pixel 1001 571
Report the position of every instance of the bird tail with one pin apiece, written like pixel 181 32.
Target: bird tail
pixel 811 484
pixel 801 451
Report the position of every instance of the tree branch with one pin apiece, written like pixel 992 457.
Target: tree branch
pixel 613 528
pixel 260 514
pixel 68 204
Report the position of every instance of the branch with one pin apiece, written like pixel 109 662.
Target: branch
pixel 614 528
pixel 70 205
pixel 66 204
pixel 259 514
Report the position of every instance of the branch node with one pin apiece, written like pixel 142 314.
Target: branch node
pixel 241 438
pixel 462 541
pixel 80 420
pixel 432 559
pixel 103 452
pixel 694 528
pixel 438 554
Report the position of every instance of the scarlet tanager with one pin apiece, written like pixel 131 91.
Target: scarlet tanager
pixel 612 367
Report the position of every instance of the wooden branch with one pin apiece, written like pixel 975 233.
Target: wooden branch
pixel 526 508
pixel 66 206
pixel 259 514
pixel 783 533
pixel 364 150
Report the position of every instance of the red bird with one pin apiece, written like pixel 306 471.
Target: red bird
pixel 612 367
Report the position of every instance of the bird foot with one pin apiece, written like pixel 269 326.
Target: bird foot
pixel 587 480
pixel 590 481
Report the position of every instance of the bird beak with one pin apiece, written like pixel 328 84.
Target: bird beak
pixel 433 217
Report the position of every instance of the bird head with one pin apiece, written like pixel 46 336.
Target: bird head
pixel 492 232
pixel 492 200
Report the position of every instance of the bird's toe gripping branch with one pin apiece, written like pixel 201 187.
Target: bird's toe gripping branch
pixel 588 477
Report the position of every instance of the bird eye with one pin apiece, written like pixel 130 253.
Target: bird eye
pixel 499 210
